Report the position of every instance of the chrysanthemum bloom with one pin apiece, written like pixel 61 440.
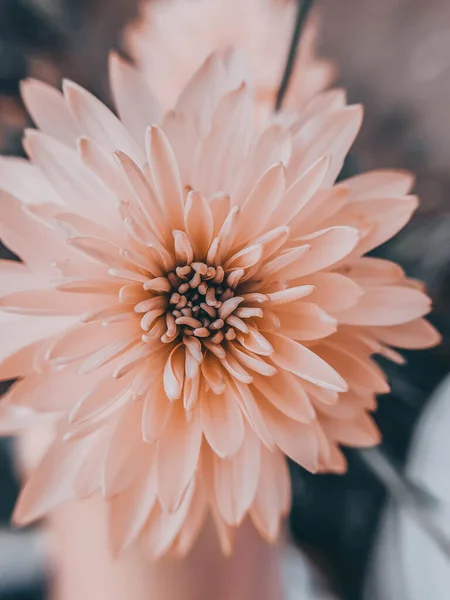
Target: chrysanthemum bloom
pixel 193 303
pixel 172 38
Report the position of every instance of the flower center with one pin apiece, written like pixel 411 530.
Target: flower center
pixel 201 302
pixel 196 300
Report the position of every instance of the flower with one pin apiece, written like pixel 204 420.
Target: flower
pixel 171 39
pixel 193 303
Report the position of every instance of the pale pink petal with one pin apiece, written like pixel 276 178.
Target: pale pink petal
pixel 49 111
pixel 414 334
pixel 166 176
pixel 144 111
pixel 255 342
pixel 194 521
pixel 359 432
pixel 290 294
pixel 297 440
pixel 251 361
pixel 102 396
pixel 224 149
pixel 49 302
pixel 25 181
pixel 252 413
pixel 101 162
pixel 355 369
pixel 222 423
pixel 129 511
pixel 304 363
pixel 98 122
pixel 178 452
pixel 86 338
pixel 299 193
pixel 162 528
pixel 125 453
pixel 327 248
pixel 245 258
pixel 183 137
pixel 287 265
pixel 201 94
pixel 88 478
pixel 76 185
pixel 269 503
pixel 304 321
pixel 321 210
pixel 220 205
pixel 174 373
pixel 330 134
pixel 199 222
pixel 259 204
pixel 377 184
pixel 273 145
pixel 22 233
pixel 15 277
pixel 386 306
pixel 236 479
pixel 287 394
pixel 334 292
pixel 386 217
pixel 51 484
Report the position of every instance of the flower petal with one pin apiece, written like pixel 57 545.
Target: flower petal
pixel 327 248
pixel 199 222
pixel 269 504
pixel 415 334
pixel 127 82
pixel 49 111
pixel 178 455
pixel 98 122
pixel 304 363
pixel 386 306
pixel 130 509
pixel 236 479
pixel 166 176
pixel 222 423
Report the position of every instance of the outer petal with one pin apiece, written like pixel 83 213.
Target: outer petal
pixel 49 111
pixel 130 509
pixel 52 482
pixel 387 306
pixel 236 478
pixel 270 499
pixel 98 122
pixel 304 363
pixel 222 423
pixel 178 454
pixel 127 83
pixel 415 334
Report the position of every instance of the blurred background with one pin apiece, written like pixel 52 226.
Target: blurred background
pixel 379 532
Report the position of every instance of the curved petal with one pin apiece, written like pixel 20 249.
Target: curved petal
pixel 178 455
pixel 416 334
pixel 127 83
pixel 236 479
pixel 49 111
pixel 387 306
pixel 269 504
pixel 98 122
pixel 222 423
pixel 304 363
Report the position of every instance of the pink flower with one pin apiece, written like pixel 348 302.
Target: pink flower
pixel 193 303
pixel 172 38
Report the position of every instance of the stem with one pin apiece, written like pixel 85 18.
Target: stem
pixel 304 7
pixel 84 569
